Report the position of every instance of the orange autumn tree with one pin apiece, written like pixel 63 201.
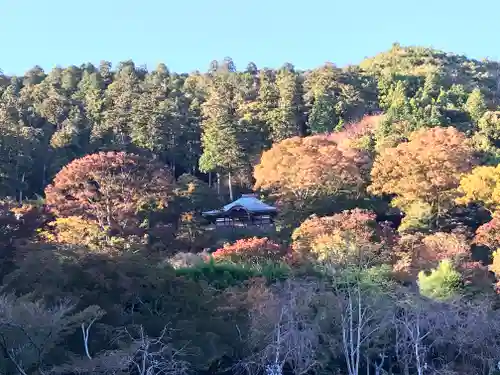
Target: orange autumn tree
pixel 118 191
pixel 425 170
pixel 300 172
pixel 350 237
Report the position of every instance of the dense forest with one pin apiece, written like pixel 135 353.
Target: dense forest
pixel 384 257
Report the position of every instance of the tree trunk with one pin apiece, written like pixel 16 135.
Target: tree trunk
pixel 438 213
pixel 230 186
pixel 21 189
pixel 209 179
pixel 43 173
pixel 416 347
pixel 218 184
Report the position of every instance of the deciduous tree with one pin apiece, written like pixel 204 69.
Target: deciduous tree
pixel 417 252
pixel 30 331
pixel 284 328
pixel 489 234
pixel 358 135
pixel 75 231
pixel 117 190
pixel 254 250
pixel 427 168
pixel 482 185
pixel 302 171
pixel 348 238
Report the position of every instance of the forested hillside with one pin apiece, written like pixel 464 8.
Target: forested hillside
pixel 221 120
pixel 383 257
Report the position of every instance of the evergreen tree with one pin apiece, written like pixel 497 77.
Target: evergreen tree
pixel 90 96
pixel 152 114
pixel 287 121
pixel 267 100
pixel 221 149
pixel 114 131
pixel 475 105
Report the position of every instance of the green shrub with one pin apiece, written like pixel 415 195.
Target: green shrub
pixel 442 283
pixel 222 275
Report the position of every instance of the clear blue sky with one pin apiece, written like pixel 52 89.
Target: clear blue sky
pixel 188 34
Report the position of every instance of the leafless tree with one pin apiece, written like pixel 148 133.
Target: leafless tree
pixel 458 336
pixel 154 355
pixel 285 329
pixel 29 330
pixel 137 353
pixel 468 335
pixel 412 326
pixel 426 333
pixel 360 324
pixel 111 362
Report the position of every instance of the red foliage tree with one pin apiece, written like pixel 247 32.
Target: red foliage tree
pixel 18 225
pixel 418 252
pixel 489 234
pixel 475 273
pixel 117 190
pixel 440 246
pixel 357 135
pixel 252 250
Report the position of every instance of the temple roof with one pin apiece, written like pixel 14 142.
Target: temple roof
pixel 247 201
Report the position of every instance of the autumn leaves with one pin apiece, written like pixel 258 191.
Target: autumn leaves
pixel 427 178
pixel 330 176
pixel 426 170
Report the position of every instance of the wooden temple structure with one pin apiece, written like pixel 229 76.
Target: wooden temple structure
pixel 243 212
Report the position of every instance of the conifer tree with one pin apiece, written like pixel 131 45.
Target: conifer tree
pixel 222 152
pixel 475 105
pixel 287 121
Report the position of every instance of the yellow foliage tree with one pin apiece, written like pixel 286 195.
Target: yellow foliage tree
pixel 495 265
pixel 495 268
pixel 75 230
pixel 481 186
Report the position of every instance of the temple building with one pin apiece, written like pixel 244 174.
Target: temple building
pixel 245 211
